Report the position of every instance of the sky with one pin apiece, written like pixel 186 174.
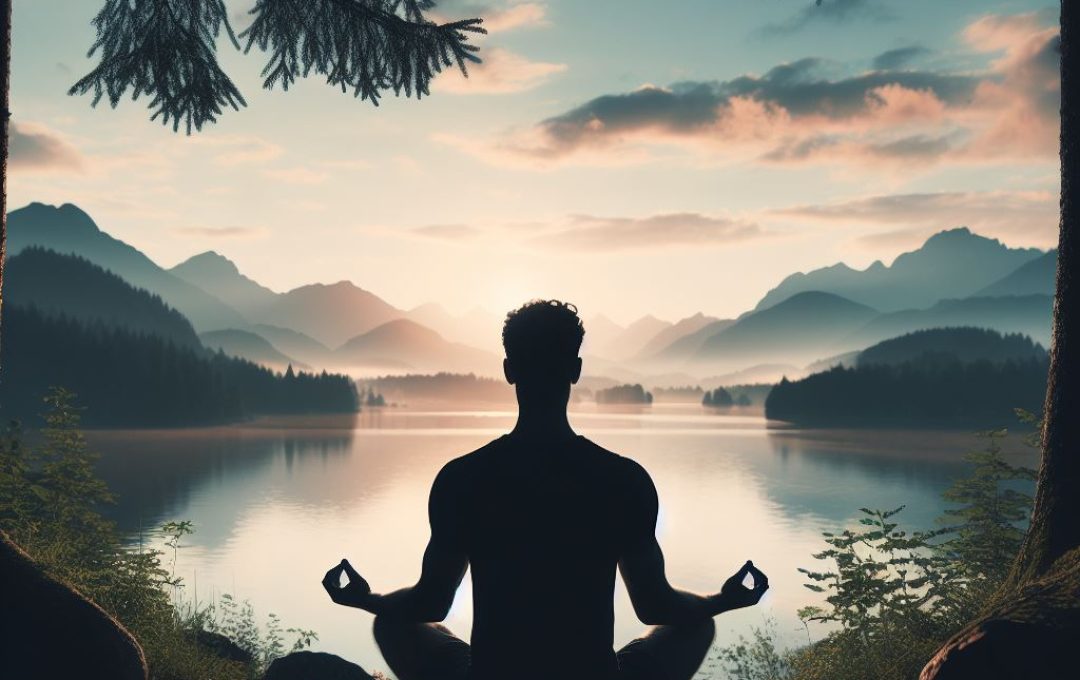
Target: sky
pixel 631 156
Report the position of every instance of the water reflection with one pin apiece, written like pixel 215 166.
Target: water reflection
pixel 277 502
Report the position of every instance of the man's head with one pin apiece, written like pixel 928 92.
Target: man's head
pixel 541 340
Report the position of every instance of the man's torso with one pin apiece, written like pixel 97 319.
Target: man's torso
pixel 542 526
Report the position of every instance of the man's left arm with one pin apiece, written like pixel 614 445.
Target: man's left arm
pixel 443 569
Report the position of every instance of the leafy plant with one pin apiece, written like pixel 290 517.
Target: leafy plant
pixel 756 658
pixel 893 596
pixel 50 504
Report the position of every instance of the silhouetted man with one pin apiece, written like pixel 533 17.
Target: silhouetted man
pixel 543 516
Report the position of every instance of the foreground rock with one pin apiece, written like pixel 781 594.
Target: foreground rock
pixel 314 666
pixel 224 647
pixel 1032 633
pixel 49 630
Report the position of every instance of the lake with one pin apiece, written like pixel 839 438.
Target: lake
pixel 277 502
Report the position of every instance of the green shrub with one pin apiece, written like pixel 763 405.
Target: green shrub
pixel 892 597
pixel 51 504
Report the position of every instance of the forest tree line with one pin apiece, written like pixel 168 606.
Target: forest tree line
pixel 127 378
pixel 943 377
pixel 915 393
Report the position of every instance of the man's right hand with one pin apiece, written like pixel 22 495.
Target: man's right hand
pixel 352 594
pixel 735 595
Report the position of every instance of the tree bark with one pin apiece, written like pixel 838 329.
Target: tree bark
pixel 1030 628
pixel 1055 521
pixel 5 116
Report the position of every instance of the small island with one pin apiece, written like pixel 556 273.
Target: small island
pixel 624 394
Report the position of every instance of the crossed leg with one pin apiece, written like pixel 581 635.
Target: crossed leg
pixel 429 651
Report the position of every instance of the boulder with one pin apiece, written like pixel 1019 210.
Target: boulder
pixel 222 646
pixel 314 666
pixel 50 630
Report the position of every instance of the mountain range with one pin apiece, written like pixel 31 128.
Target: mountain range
pixel 956 278
pixel 951 264
pixel 69 230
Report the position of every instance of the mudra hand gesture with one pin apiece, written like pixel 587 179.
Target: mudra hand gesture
pixel 736 595
pixel 351 594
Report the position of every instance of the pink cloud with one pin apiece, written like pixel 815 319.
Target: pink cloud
pixel 501 72
pixel 37 148
pixel 796 114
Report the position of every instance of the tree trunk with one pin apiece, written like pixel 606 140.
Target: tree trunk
pixel 5 116
pixel 1055 522
pixel 1030 628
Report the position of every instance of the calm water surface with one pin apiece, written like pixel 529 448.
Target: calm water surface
pixel 276 503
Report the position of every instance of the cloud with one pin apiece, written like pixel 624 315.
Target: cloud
pixel 296 175
pixel 803 112
pixel 893 60
pixel 219 232
pixel 35 148
pixel 497 18
pixel 520 15
pixel 830 12
pixel 591 234
pixel 237 149
pixel 447 232
pixel 501 72
pixel 1014 214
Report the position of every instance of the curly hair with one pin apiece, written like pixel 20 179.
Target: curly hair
pixel 543 331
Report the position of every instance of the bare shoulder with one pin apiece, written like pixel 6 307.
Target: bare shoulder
pixel 626 470
pixel 458 471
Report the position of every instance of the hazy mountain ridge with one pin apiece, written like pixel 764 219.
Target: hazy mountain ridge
pixel 295 344
pixel 1036 277
pixel 803 327
pixel 405 344
pixel 69 230
pixel 955 263
pixel 321 324
pixel 68 285
pixel 219 276
pixel 675 332
pixel 963 344
pixel 1030 315
pixel 329 313
pixel 250 346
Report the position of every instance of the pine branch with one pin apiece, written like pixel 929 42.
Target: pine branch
pixel 368 46
pixel 166 50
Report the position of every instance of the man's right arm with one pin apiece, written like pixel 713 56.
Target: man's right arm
pixel 655 600
pixel 442 571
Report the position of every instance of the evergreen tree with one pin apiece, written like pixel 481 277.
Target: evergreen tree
pixel 990 520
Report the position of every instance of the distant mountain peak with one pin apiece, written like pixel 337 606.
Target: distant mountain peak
pixel 68 216
pixel 952 263
pixel 817 298
pixel 959 236
pixel 210 261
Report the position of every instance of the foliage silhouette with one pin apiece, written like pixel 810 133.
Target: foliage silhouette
pixel 904 382
pixel 51 505
pixel 964 344
pixel 128 378
pixel 893 595
pixel 624 394
pixel 718 398
pixel 167 51
pixel 72 286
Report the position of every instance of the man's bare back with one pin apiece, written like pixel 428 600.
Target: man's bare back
pixel 543 517
pixel 543 525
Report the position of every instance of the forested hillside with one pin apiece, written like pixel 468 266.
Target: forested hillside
pixel 126 378
pixel 942 378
